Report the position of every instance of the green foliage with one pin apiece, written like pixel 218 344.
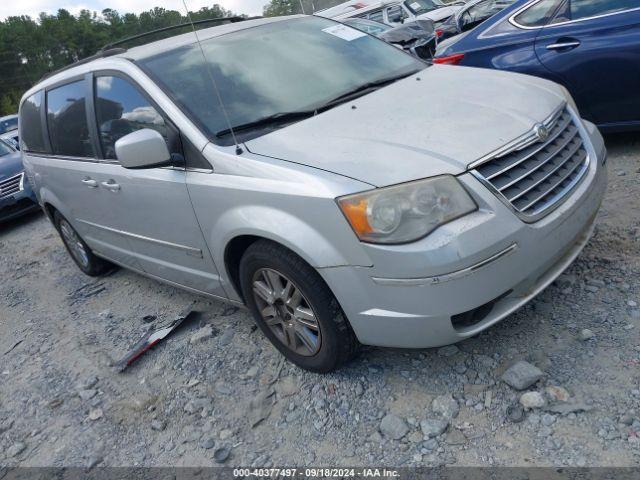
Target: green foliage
pixel 29 48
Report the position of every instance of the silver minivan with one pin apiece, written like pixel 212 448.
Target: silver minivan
pixel 344 191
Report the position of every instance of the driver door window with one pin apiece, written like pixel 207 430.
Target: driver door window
pixel 121 109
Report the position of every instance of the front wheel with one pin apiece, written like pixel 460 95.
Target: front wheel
pixel 295 309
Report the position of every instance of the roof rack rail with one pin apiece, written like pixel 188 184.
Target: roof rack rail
pixel 112 48
pixel 173 27
pixel 101 54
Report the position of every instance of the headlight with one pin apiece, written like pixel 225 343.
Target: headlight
pixel 22 181
pixel 407 212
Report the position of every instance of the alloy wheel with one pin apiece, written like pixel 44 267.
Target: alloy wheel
pixel 73 241
pixel 286 311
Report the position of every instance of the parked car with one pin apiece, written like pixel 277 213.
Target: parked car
pixel 393 12
pixel 343 190
pixel 12 138
pixel 417 37
pixel 472 14
pixel 592 48
pixel 8 123
pixel 16 196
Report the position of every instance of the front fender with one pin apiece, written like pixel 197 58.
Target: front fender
pixel 325 244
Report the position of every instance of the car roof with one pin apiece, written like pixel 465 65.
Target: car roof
pixel 155 48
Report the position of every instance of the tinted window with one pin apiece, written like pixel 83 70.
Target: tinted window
pixel 8 124
pixel 258 74
pixel 67 120
pixel 538 14
pixel 32 137
pixel 592 8
pixel 121 109
pixel 395 14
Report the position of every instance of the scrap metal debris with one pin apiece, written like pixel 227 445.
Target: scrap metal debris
pixel 151 338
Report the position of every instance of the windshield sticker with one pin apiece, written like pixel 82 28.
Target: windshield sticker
pixel 415 6
pixel 344 32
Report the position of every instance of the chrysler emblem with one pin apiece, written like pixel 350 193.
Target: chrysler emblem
pixel 541 132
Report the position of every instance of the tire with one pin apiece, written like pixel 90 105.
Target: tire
pixel 303 295
pixel 78 250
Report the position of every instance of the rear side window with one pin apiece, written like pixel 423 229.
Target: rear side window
pixel 121 109
pixel 539 14
pixel 31 136
pixel 579 9
pixel 67 120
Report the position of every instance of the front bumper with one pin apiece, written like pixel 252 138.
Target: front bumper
pixel 18 204
pixel 470 273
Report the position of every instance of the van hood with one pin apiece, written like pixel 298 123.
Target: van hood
pixel 440 14
pixel 435 122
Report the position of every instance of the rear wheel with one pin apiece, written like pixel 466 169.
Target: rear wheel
pixel 79 251
pixel 295 309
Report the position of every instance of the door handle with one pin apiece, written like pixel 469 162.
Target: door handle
pixel 566 45
pixel 90 183
pixel 111 185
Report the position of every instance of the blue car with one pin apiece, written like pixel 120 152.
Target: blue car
pixel 592 47
pixel 16 196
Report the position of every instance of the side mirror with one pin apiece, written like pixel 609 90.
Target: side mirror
pixel 144 148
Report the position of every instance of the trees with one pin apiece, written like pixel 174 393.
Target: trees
pixel 30 48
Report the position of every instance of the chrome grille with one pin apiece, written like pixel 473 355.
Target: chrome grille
pixel 11 185
pixel 537 175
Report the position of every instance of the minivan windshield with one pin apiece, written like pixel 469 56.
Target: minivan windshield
pixel 275 72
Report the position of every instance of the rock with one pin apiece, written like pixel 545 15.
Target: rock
pixel 548 420
pixel 359 389
pixel 226 337
pixel 224 434
pixel 586 334
pixel 158 425
pixel 433 427
pixel 222 454
pixel 95 414
pixel 88 383
pixel 260 407
pixel 87 394
pixel 446 406
pixel 16 449
pixel 557 394
pixel 393 427
pixel 94 461
pixel 197 405
pixel 626 420
pixel 448 351
pixel 203 334
pixel 531 400
pixel 521 375
pixel 591 288
pixel 455 437
pixel 515 413
pixel 287 386
pixel 208 443
pixel 632 303
pixel 431 444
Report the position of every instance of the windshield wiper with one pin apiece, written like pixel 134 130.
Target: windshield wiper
pixel 282 117
pixel 288 117
pixel 363 90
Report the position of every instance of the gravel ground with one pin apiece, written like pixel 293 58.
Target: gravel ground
pixel 226 396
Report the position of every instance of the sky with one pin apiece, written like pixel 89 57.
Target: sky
pixel 34 7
